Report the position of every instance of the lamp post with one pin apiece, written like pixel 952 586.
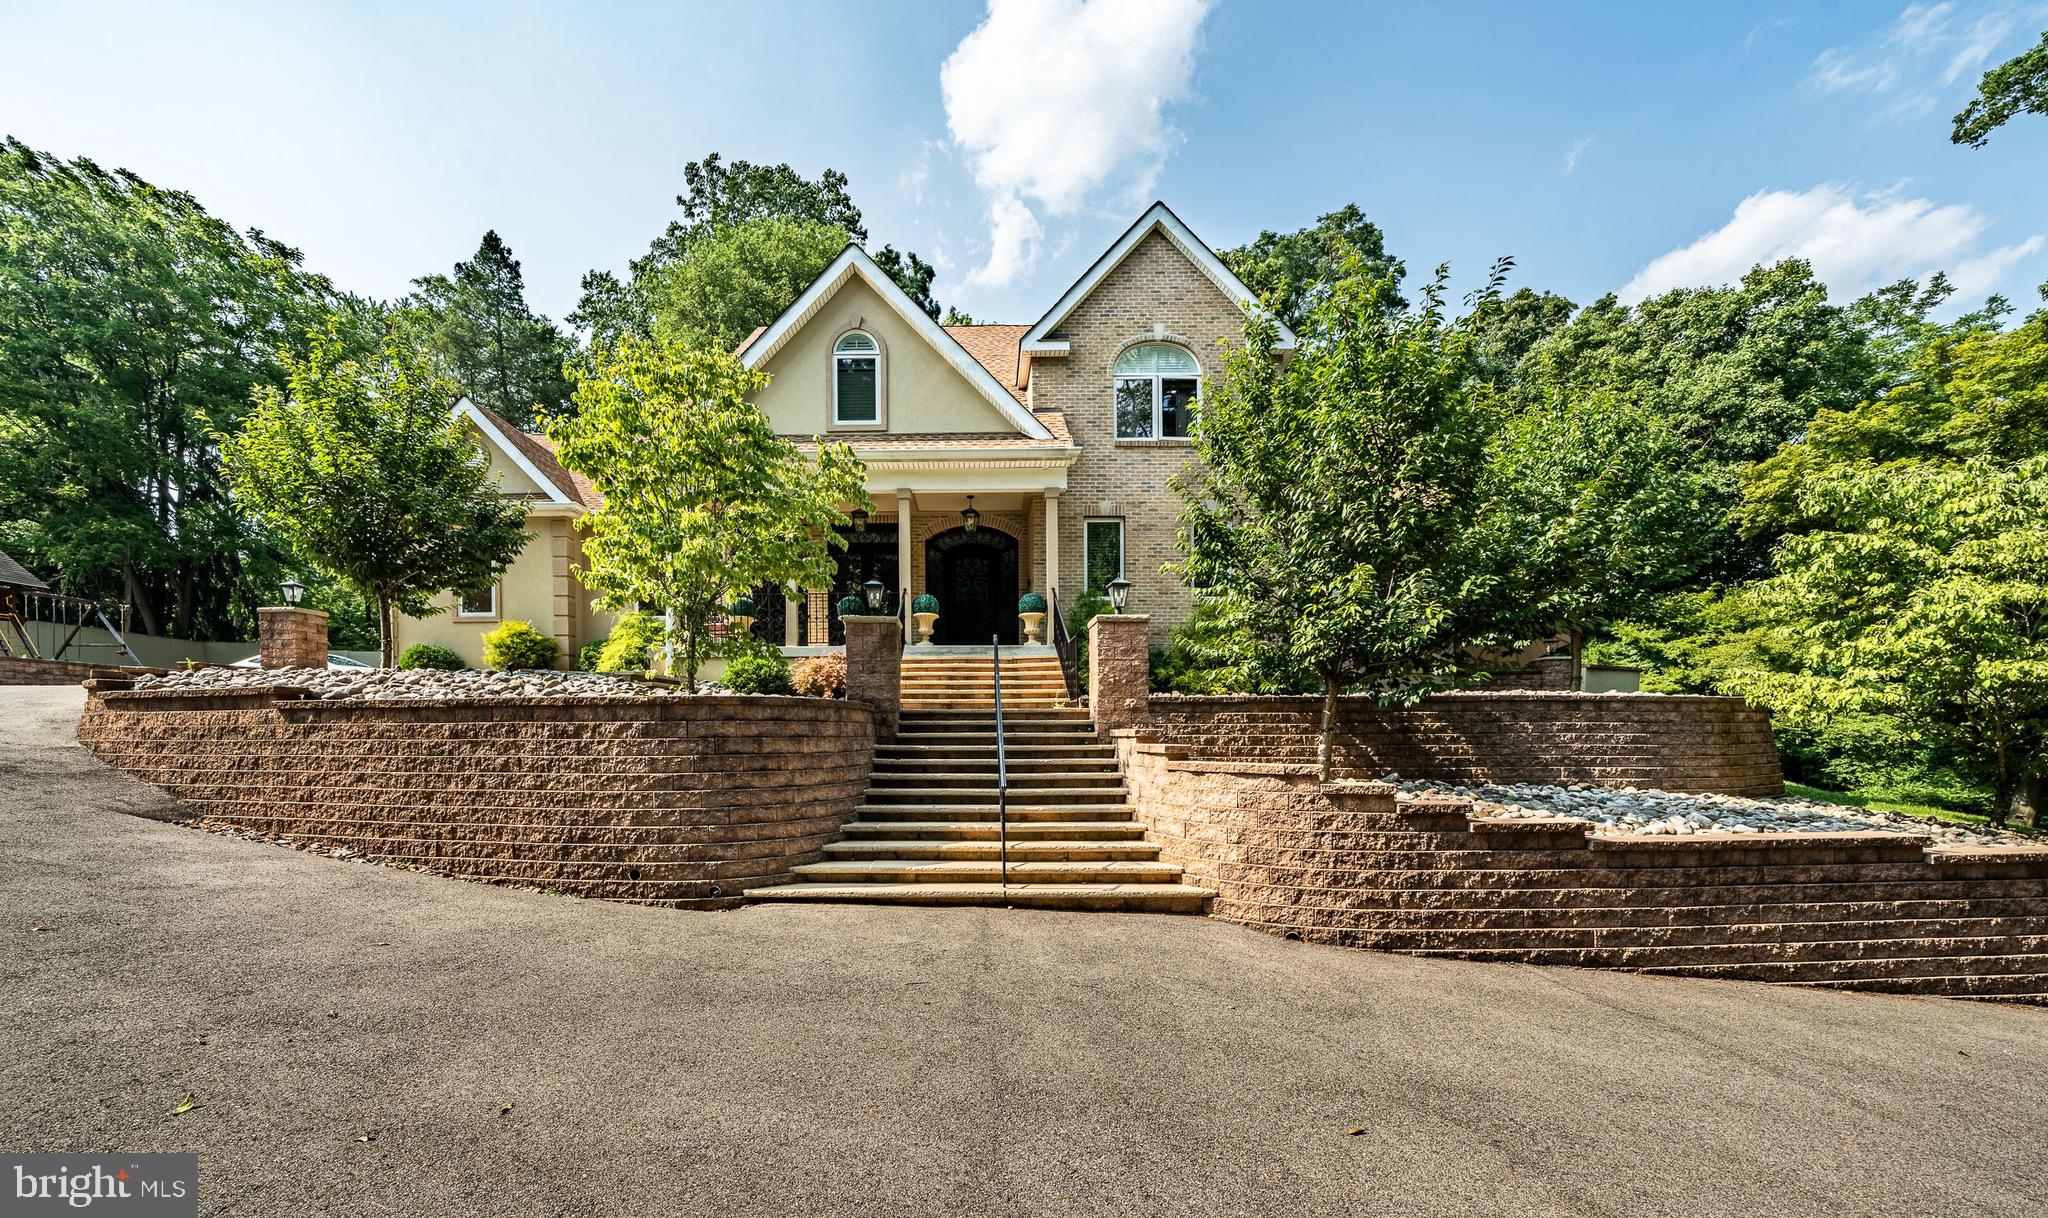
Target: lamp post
pixel 873 591
pixel 292 590
pixel 970 519
pixel 1119 593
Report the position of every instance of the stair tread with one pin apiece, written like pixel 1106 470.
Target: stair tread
pixel 939 867
pixel 821 889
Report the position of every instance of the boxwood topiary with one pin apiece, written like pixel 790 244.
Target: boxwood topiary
pixel 851 606
pixel 757 672
pixel 742 606
pixel 925 603
pixel 518 644
pixel 430 655
pixel 1031 602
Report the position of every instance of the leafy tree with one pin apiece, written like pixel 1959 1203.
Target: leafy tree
pixel 1507 328
pixel 2017 86
pixel 1291 271
pixel 702 499
pixel 1371 514
pixel 358 467
pixel 133 326
pixel 955 316
pixel 1924 596
pixel 484 338
pixel 737 278
pixel 913 274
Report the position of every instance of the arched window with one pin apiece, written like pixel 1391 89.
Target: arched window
pixel 857 379
pixel 1156 388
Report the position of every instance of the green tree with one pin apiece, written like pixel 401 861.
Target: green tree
pixel 955 316
pixel 702 500
pixel 1924 597
pixel 737 278
pixel 2017 86
pixel 1291 271
pixel 133 326
pixel 1370 514
pixel 913 274
pixel 1506 328
pixel 483 336
pixel 358 467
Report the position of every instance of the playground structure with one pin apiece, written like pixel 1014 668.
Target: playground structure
pixel 28 608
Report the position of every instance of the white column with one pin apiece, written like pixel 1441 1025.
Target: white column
pixel 1052 543
pixel 903 557
pixel 789 635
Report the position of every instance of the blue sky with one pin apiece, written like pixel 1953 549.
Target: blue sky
pixel 1608 147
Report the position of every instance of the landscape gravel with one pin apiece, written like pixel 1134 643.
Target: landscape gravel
pixel 1631 810
pixel 423 683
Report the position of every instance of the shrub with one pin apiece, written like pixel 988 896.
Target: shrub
pixel 821 676
pixel 630 646
pixel 925 603
pixel 1031 602
pixel 742 606
pixel 851 606
pixel 430 655
pixel 757 672
pixel 587 655
pixel 517 644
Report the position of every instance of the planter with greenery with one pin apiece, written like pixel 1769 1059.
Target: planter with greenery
pixel 1031 610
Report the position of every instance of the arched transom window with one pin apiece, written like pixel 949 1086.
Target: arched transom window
pixel 1156 388
pixel 856 379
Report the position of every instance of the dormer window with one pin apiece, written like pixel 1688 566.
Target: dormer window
pixel 1156 387
pixel 857 380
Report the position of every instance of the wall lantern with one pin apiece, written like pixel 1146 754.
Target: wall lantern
pixel 293 590
pixel 1119 592
pixel 970 519
pixel 860 520
pixel 873 590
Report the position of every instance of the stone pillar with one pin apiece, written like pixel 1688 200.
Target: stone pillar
pixel 1052 548
pixel 1119 656
pixel 903 588
pixel 291 638
pixel 874 669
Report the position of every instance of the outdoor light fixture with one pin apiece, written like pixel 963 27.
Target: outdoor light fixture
pixel 970 519
pixel 293 590
pixel 1119 592
pixel 873 591
pixel 860 520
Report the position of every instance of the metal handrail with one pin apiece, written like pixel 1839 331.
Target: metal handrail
pixel 1068 650
pixel 1002 773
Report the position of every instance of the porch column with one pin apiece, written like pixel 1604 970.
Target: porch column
pixel 903 557
pixel 1052 543
pixel 789 622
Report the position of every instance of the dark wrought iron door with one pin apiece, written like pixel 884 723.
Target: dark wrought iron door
pixel 976 585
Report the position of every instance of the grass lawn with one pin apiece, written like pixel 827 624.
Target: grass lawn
pixel 1855 799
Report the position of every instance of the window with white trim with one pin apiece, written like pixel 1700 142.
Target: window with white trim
pixel 1102 553
pixel 1156 387
pixel 482 603
pixel 856 379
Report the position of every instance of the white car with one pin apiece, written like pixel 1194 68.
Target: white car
pixel 336 662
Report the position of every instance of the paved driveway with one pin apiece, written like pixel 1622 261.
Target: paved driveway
pixel 798 1060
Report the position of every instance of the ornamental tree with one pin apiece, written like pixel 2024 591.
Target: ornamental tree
pixel 358 466
pixel 1369 514
pixel 703 500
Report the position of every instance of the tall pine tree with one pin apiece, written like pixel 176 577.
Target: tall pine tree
pixel 481 333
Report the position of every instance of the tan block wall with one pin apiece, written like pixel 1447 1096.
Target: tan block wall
pixel 681 801
pixel 1155 286
pixel 1670 742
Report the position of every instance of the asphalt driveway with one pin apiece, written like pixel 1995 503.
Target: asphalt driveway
pixel 361 1040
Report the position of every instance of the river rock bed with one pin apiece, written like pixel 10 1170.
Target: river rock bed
pixel 330 683
pixel 1648 813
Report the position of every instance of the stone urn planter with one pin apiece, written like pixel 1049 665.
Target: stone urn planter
pixel 740 614
pixel 925 612
pixel 1031 612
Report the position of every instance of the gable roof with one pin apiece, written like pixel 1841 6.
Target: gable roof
pixel 533 454
pixel 853 262
pixel 14 575
pixel 1159 218
pixel 995 348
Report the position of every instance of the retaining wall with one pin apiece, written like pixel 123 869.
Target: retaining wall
pixel 1669 742
pixel 683 801
pixel 1344 864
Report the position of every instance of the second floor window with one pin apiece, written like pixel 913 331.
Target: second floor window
pixel 1156 388
pixel 856 379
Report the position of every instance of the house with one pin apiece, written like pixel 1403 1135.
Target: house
pixel 1001 459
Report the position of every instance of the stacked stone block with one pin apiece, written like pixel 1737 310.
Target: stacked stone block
pixel 291 638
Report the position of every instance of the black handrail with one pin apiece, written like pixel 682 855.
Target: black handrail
pixel 1002 773
pixel 1069 652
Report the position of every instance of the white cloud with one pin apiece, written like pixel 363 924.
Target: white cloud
pixel 1924 41
pixel 1578 149
pixel 1059 103
pixel 1855 243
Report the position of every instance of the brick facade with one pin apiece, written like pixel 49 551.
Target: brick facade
pixel 1344 864
pixel 1667 741
pixel 674 801
pixel 1155 294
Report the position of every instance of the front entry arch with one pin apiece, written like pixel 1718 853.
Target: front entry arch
pixel 974 575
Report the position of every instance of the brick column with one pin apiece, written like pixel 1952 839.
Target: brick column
pixel 1118 662
pixel 291 638
pixel 874 668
